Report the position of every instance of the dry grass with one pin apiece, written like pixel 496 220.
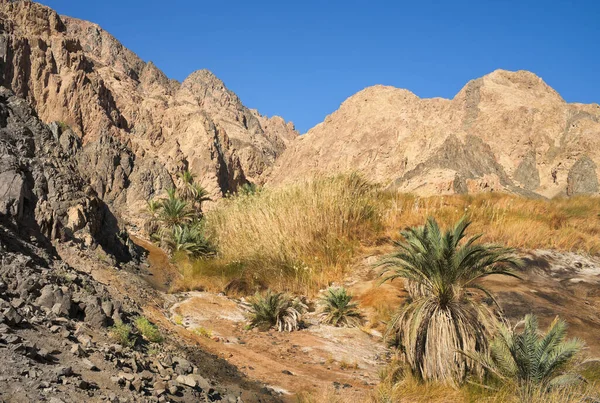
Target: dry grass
pixel 398 385
pixel 409 390
pixel 297 238
pixel 302 237
pixel 571 224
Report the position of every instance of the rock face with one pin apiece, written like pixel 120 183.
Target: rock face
pixel 507 131
pixel 41 189
pixel 47 307
pixel 138 128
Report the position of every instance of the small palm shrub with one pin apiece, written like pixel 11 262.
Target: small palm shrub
pixel 152 224
pixel 148 330
pixel 278 310
pixel 530 360
pixel 337 308
pixel 199 196
pixel 443 316
pixel 189 239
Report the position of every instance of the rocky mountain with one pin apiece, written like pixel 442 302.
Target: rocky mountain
pixel 506 131
pixel 54 316
pixel 137 127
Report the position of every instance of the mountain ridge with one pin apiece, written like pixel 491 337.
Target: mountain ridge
pixel 530 137
pixel 139 128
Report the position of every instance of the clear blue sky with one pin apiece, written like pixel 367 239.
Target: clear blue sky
pixel 301 59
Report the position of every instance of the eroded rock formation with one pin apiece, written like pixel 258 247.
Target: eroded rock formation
pixel 138 128
pixel 507 131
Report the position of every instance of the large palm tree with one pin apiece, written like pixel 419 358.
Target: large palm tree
pixel 174 211
pixel 444 316
pixel 531 360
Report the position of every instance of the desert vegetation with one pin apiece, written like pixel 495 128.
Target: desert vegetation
pixel 276 310
pixel 148 330
pixel 448 334
pixel 530 361
pixel 176 220
pixel 302 237
pixel 443 315
pixel 297 239
pixel 337 309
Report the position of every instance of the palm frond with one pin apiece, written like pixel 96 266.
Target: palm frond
pixel 442 270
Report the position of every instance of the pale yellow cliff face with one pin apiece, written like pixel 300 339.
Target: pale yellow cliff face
pixel 504 132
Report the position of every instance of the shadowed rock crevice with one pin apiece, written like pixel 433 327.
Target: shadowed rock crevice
pixel 527 173
pixel 583 177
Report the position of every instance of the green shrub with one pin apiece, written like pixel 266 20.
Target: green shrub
pixel 202 331
pixel 189 239
pixel 276 310
pixel 122 334
pixel 148 330
pixel 337 310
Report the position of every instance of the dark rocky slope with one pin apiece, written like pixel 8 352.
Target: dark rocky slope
pixel 54 320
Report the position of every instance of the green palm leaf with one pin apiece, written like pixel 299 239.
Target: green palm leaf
pixel 442 270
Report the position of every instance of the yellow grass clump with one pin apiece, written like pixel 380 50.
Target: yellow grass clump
pixel 296 238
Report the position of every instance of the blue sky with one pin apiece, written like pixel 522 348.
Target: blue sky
pixel 301 59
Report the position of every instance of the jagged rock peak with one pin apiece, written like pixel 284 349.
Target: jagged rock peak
pixel 74 72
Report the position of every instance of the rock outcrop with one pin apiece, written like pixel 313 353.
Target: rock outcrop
pixel 138 128
pixel 506 131
pixel 42 191
pixel 55 337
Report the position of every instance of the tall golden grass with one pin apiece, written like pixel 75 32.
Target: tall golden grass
pixel 297 238
pixel 304 236
pixel 566 224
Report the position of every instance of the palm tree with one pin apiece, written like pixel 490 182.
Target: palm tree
pixel 531 360
pixel 151 225
pixel 189 239
pixel 200 195
pixel 187 190
pixel 443 317
pixel 277 310
pixel 337 310
pixel 174 211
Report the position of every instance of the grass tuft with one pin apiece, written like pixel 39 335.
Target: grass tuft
pixel 148 330
pixel 297 238
pixel 122 334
